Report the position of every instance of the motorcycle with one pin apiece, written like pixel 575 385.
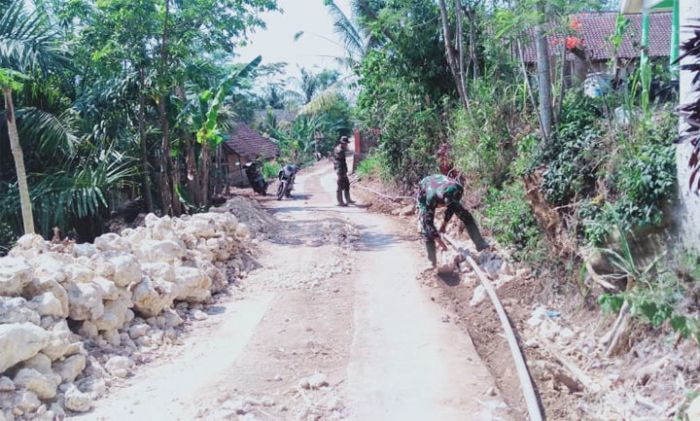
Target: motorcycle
pixel 255 178
pixel 286 179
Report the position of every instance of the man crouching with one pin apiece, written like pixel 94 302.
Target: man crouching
pixel 437 191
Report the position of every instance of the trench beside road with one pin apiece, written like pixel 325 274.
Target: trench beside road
pixel 385 350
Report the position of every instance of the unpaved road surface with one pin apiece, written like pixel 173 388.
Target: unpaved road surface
pixel 333 325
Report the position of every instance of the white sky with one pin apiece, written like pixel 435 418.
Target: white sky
pixel 313 49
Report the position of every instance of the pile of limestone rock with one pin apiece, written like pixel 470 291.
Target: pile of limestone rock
pixel 73 316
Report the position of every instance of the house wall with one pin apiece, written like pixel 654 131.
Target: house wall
pixel 688 211
pixel 234 170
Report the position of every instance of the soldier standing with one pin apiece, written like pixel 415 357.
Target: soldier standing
pixel 341 170
pixel 437 191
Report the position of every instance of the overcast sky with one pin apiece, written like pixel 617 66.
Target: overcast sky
pixel 315 48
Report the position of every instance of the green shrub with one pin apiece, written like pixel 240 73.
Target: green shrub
pixel 270 170
pixel 483 135
pixel 573 154
pixel 643 182
pixel 510 219
pixel 371 165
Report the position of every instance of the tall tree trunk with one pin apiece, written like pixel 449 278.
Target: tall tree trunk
pixel 449 50
pixel 204 163
pixel 24 200
pixel 544 75
pixel 148 197
pixel 171 203
pixel 459 42
pixel 473 56
pixel 193 184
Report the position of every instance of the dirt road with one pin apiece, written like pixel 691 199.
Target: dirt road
pixel 333 325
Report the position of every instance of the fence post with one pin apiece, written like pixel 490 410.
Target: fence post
pixel 357 154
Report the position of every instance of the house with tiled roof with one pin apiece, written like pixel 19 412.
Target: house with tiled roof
pixel 243 144
pixel 588 41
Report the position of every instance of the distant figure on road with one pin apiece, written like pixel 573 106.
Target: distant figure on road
pixel 437 191
pixel 341 170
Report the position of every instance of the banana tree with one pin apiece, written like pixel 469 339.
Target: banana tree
pixel 204 115
pixel 11 81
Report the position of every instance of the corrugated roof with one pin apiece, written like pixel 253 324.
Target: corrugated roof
pixel 248 143
pixel 596 29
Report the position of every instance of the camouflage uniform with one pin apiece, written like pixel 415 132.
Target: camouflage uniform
pixel 341 169
pixel 438 190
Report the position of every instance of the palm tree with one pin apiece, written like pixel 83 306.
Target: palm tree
pixel 8 83
pixel 29 47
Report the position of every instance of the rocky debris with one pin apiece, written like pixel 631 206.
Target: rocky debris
pixel 199 315
pixel 314 382
pixel 119 366
pixel 42 385
pixel 77 401
pixel 15 273
pixel 20 342
pixel 72 316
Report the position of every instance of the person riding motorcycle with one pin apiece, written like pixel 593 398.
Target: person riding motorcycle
pixel 255 177
pixel 288 172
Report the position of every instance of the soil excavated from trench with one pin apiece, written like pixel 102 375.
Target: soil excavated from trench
pixel 333 325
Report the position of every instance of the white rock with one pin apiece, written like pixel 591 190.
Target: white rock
pixel 27 401
pixel 79 273
pixel 242 231
pixel 94 386
pixel 478 297
pixel 40 362
pixel 127 269
pixel 113 338
pixel 6 384
pixel 115 315
pixel 59 343
pixel 48 305
pixel 171 318
pixel 111 241
pixel 16 310
pixel 58 411
pixel 193 284
pixel 88 329
pixel 70 368
pixel 199 315
pixel 32 380
pixel 167 251
pixel 119 366
pixel 138 330
pixel 85 301
pixel 15 273
pixel 151 297
pixel 108 289
pixel 31 241
pixel 19 342
pixel 52 265
pixel 159 271
pixel 45 284
pixel 84 250
pixel 77 401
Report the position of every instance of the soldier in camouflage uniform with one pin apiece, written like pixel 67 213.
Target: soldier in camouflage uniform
pixel 439 190
pixel 341 170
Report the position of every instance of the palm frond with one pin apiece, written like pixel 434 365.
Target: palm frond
pixel 53 133
pixel 28 43
pixel 352 38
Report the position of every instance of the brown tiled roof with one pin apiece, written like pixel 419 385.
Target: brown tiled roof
pixel 596 28
pixel 248 143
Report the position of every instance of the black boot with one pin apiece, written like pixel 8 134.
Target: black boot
pixel 339 197
pixel 347 197
pixel 432 252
